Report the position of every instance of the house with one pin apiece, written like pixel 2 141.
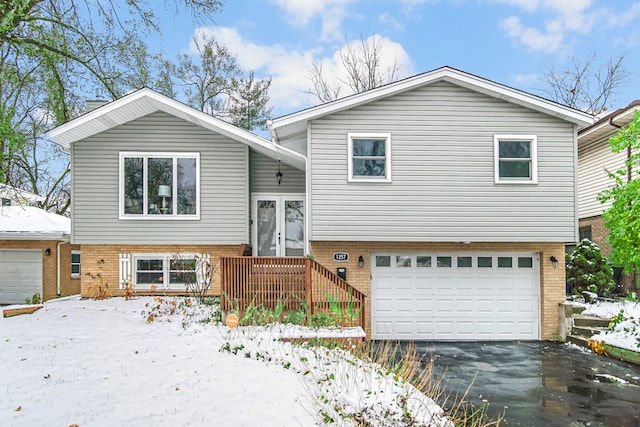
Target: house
pixel 595 158
pixel 36 258
pixel 445 198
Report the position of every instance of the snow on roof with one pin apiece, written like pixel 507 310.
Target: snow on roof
pixel 31 223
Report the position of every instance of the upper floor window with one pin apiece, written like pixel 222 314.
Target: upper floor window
pixel 516 159
pixel 159 185
pixel 369 157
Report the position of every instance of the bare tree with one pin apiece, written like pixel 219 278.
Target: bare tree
pixel 208 76
pixel 584 85
pixel 364 69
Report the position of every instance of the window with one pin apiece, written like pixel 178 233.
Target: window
pixel 403 261
pixel 443 261
pixel 485 262
pixel 75 263
pixel 163 271
pixel 159 185
pixel 423 261
pixel 383 261
pixel 585 232
pixel 505 262
pixel 525 262
pixel 369 157
pixel 464 262
pixel 6 202
pixel 516 159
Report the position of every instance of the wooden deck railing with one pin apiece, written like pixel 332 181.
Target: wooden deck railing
pixel 299 283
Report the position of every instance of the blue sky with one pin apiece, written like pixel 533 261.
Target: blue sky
pixel 514 42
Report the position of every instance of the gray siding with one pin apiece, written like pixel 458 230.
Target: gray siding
pixel 297 142
pixel 594 159
pixel 224 209
pixel 443 173
pixel 263 176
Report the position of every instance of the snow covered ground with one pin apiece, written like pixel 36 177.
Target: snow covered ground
pixel 100 363
pixel 625 329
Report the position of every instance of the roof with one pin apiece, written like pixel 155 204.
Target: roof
pixel 609 124
pixel 296 122
pixel 146 101
pixel 31 223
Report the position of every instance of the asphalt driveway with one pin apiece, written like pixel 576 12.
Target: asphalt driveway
pixel 541 383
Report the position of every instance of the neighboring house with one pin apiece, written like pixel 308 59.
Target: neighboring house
pixel 35 255
pixel 595 159
pixel 11 196
pixel 444 196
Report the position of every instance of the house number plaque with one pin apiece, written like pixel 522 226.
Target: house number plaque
pixel 340 256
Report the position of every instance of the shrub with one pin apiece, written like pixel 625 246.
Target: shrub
pixel 587 270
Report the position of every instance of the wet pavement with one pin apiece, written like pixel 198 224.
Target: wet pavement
pixel 541 383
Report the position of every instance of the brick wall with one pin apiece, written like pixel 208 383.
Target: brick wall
pixel 100 264
pixel 599 234
pixel 68 285
pixel 552 279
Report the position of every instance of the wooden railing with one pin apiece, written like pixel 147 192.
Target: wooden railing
pixel 299 283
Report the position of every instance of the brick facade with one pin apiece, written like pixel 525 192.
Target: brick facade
pixel 100 264
pixel 599 235
pixel 552 279
pixel 68 286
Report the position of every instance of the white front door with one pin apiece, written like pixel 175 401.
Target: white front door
pixel 278 224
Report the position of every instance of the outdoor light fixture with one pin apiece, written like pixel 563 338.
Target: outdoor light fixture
pixel 279 174
pixel 164 191
pixel 554 260
pixel 360 261
pixel 47 252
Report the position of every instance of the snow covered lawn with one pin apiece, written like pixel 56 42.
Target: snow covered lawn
pixel 100 363
pixel 625 331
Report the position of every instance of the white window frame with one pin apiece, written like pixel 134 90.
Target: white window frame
pixel 533 140
pixel 166 264
pixel 387 156
pixel 145 215
pixel 79 264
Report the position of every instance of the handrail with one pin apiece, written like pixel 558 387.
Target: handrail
pixel 292 281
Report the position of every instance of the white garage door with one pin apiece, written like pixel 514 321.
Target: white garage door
pixel 455 296
pixel 20 275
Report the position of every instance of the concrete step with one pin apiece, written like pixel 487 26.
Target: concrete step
pixel 587 331
pixel 581 341
pixel 577 309
pixel 590 321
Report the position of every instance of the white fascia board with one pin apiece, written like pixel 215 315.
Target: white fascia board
pixel 20 235
pixel 445 74
pixel 145 101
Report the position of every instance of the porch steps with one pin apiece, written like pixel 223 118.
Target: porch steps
pixel 584 327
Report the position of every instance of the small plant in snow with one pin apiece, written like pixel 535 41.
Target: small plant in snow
pixel 587 270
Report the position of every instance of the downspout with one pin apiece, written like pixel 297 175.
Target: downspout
pixel 58 267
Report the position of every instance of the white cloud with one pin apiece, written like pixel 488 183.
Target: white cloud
pixel 390 20
pixel 331 12
pixel 289 69
pixel 531 37
pixel 525 81
pixel 391 52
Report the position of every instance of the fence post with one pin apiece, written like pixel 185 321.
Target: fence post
pixel 308 286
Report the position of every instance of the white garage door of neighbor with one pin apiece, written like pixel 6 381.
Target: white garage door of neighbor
pixel 20 275
pixel 455 296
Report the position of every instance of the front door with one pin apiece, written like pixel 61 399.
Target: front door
pixel 278 224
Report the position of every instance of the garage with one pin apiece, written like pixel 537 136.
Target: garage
pixel 20 275
pixel 455 296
